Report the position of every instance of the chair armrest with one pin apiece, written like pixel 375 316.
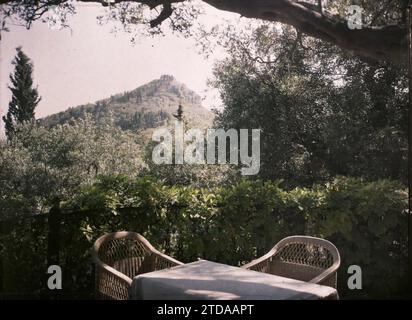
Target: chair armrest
pixel 162 261
pixel 121 277
pixel 327 273
pixel 260 264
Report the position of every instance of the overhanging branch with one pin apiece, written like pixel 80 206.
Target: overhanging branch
pixel 379 43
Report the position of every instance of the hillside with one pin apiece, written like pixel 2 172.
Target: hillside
pixel 148 106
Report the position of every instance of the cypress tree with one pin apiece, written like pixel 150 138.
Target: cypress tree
pixel 24 97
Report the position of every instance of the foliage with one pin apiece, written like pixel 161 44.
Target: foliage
pixel 40 165
pixel 233 225
pixel 322 112
pixel 181 18
pixel 24 97
pixel 179 113
pixel 199 175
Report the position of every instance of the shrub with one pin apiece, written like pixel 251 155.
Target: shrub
pixel 231 225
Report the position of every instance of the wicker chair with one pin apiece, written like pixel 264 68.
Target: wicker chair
pixel 303 258
pixel 119 257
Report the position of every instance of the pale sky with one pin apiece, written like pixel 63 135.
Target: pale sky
pixel 88 62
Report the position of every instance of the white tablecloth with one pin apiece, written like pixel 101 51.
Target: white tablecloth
pixel 209 280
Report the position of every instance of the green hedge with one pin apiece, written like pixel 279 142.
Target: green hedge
pixel 232 225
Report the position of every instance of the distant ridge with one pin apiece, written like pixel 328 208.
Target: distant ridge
pixel 148 106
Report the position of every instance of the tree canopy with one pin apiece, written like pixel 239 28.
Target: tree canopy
pixel 383 35
pixel 40 165
pixel 323 113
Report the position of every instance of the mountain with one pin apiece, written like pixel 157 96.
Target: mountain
pixel 148 106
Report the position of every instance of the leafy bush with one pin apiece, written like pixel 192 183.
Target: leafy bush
pixel 231 225
pixel 41 165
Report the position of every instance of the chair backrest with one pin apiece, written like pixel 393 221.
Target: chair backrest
pixel 304 258
pixel 128 252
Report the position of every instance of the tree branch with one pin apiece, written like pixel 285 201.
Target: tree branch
pixel 164 14
pixel 378 43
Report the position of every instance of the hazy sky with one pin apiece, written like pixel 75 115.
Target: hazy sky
pixel 88 62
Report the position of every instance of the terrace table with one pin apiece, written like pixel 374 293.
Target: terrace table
pixel 206 280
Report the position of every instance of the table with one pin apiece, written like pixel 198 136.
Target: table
pixel 206 280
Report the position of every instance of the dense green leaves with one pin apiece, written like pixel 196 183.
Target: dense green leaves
pixel 231 225
pixel 41 165
pixel 322 113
